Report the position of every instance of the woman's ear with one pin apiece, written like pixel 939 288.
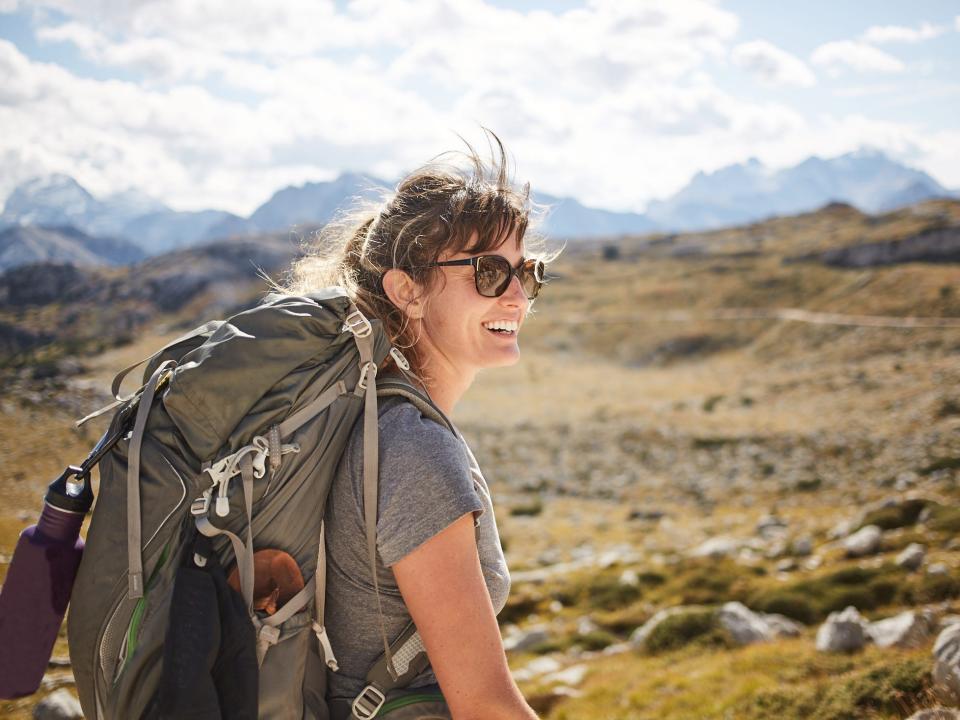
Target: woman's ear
pixel 404 293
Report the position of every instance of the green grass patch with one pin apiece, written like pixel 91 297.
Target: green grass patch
pixel 945 518
pixel 676 631
pixel 900 515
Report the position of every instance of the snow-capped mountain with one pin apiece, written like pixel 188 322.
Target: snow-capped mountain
pixel 746 192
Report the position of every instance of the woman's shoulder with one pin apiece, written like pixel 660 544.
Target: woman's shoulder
pixel 406 432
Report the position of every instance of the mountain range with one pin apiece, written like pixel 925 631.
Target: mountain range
pixel 132 224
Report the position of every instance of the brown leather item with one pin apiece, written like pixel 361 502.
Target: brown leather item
pixel 276 579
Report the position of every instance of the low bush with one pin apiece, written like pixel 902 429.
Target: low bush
pixel 683 628
pixel 791 604
pixel 945 519
pixel 900 515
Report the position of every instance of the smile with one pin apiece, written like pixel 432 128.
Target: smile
pixel 503 327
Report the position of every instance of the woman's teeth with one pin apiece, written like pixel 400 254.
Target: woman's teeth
pixel 503 326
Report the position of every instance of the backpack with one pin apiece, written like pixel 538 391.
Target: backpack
pixel 231 445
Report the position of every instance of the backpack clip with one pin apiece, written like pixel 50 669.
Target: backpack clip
pixel 368 703
pixel 356 323
pixel 399 359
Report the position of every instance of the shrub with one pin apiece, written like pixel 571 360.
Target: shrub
pixel 945 519
pixel 608 593
pixel 596 640
pixel 530 509
pixel 683 628
pixel 791 604
pixel 900 515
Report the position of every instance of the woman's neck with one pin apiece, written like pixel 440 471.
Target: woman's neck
pixel 446 384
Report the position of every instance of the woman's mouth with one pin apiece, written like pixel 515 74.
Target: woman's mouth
pixel 502 327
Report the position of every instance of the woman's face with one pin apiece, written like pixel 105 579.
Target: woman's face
pixel 457 319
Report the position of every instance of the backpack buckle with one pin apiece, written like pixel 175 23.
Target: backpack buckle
pixel 399 359
pixel 368 368
pixel 358 324
pixel 368 703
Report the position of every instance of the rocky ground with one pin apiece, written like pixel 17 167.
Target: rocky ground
pixel 705 516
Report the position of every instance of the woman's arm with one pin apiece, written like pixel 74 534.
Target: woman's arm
pixel 443 587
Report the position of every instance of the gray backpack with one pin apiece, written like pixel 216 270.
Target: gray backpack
pixel 236 434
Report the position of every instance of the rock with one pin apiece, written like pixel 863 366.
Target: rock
pixel 520 640
pixel 865 541
pixel 555 606
pixel 58 705
pixel 786 565
pixel 744 625
pixel 646 515
pixel 586 625
pixel 629 577
pixel 842 632
pixel 948 620
pixel 912 556
pixel 841 530
pixel 802 546
pixel 781 625
pixel 946 665
pixel 535 668
pixel 571 676
pixel 938 569
pixel 935 714
pixel 770 526
pixel 717 547
pixel 909 629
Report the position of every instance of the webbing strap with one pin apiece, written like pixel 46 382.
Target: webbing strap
pixel 320 577
pixel 326 398
pixel 134 530
pixel 371 473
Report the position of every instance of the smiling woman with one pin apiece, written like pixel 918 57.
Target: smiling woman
pixel 446 265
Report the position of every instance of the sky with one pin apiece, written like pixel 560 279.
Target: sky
pixel 220 103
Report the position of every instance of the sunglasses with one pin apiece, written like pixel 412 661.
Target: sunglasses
pixel 492 274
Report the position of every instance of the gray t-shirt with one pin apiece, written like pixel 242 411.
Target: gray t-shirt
pixel 428 479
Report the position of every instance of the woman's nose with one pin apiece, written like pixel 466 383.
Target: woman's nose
pixel 515 294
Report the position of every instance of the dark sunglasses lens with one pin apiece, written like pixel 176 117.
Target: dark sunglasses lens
pixel 493 275
pixel 531 277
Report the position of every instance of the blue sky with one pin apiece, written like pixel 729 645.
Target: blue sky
pixel 218 103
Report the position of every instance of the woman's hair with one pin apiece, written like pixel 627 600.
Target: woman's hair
pixel 443 207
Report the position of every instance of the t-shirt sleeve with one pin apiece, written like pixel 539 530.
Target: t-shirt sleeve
pixel 425 482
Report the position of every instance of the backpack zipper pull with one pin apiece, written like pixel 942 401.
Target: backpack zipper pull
pixel 223 502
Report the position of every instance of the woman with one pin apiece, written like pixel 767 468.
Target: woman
pixel 444 265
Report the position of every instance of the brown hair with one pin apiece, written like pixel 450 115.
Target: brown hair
pixel 442 207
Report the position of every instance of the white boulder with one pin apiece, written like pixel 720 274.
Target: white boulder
pixel 946 664
pixel 58 705
pixel 912 556
pixel 909 629
pixel 842 632
pixel 865 541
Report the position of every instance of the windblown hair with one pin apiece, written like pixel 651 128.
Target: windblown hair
pixel 440 209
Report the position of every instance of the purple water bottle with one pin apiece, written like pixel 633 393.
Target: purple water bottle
pixel 35 594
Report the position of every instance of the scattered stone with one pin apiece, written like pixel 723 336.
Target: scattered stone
pixel 781 625
pixel 630 578
pixel 555 606
pixel 717 547
pixel 946 665
pixel 770 526
pixel 520 640
pixel 535 668
pixel 865 541
pixel 938 569
pixel 813 562
pixel 744 625
pixel 786 565
pixel 58 661
pixel 952 544
pixel 571 676
pixel 909 629
pixel 842 632
pixel 646 515
pixel 58 705
pixel 948 620
pixel 802 546
pixel 935 714
pixel 841 530
pixel 586 625
pixel 912 556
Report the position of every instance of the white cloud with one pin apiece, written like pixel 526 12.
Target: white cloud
pixel 897 33
pixel 956 23
pixel 850 54
pixel 8 6
pixel 772 65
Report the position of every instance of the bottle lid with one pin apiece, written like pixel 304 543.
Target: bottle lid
pixel 71 491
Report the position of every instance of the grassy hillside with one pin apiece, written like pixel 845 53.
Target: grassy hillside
pixel 660 404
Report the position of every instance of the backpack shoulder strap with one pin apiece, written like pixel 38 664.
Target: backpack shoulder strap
pixel 396 386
